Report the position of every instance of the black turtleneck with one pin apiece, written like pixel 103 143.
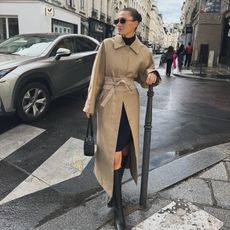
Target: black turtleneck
pixel 129 41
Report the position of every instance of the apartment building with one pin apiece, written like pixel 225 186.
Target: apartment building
pixel 209 24
pixel 157 33
pixel 34 16
pixel 90 17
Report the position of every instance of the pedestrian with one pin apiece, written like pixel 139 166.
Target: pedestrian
pixel 188 54
pixel 162 60
pixel 174 60
pixel 180 56
pixel 113 96
pixel 169 60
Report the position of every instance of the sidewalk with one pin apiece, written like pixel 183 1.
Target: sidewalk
pixel 189 193
pixel 214 74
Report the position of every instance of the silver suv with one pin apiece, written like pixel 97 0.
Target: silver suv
pixel 36 68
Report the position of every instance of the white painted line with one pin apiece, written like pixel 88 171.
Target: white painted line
pixel 28 186
pixel 180 216
pixel 67 162
pixel 15 138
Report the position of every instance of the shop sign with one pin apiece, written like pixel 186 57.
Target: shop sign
pixel 49 11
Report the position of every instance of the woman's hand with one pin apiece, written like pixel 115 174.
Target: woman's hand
pixel 89 115
pixel 151 78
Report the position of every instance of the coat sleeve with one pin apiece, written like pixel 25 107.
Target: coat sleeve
pixel 96 81
pixel 148 64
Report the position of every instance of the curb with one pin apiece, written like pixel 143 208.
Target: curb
pixel 200 78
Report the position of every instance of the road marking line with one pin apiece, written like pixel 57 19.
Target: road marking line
pixel 67 162
pixel 15 138
pixel 179 216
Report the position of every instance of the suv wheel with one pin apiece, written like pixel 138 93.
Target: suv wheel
pixel 33 102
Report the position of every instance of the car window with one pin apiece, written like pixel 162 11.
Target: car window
pixel 27 45
pixel 83 44
pixel 66 43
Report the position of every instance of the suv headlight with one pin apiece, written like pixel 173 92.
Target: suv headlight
pixel 3 72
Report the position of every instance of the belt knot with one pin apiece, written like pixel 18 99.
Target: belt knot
pixel 113 84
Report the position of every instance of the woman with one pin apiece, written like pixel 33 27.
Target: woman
pixel 120 61
pixel 169 60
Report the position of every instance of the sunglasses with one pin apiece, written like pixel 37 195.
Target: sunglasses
pixel 121 20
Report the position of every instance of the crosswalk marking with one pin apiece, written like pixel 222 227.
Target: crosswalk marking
pixel 179 216
pixel 15 138
pixel 67 162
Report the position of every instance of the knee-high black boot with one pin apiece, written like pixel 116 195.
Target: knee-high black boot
pixel 110 202
pixel 119 219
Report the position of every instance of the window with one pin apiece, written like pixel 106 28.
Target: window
pixel 8 27
pixel 212 5
pixel 26 45
pixel 13 26
pixel 2 29
pixel 82 5
pixel 66 43
pixel 63 27
pixel 70 3
pixel 84 44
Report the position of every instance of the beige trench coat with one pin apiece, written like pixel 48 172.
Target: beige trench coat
pixel 115 69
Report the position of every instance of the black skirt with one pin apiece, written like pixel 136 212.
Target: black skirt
pixel 124 133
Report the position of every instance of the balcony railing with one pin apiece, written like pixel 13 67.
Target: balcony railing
pixel 109 20
pixel 56 2
pixel 94 13
pixel 102 17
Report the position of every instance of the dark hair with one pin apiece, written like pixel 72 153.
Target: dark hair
pixel 170 49
pixel 134 13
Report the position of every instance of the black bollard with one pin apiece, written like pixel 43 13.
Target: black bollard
pixel 146 148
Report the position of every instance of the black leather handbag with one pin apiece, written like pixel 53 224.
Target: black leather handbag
pixel 89 147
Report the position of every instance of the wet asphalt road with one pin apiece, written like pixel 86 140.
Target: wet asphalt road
pixel 188 114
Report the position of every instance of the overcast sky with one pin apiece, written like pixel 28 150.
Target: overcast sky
pixel 170 9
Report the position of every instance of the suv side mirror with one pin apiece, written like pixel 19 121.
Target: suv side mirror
pixel 62 52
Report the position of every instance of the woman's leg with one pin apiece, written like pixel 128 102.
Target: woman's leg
pixel 125 151
pixel 117 160
pixel 119 219
pixel 119 163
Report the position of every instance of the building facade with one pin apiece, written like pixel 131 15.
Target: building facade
pixel 157 33
pixel 207 24
pixel 172 34
pixel 100 21
pixel 90 17
pixel 33 16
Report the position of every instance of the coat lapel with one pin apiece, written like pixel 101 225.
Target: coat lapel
pixel 135 46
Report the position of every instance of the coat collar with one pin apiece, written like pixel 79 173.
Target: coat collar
pixel 135 46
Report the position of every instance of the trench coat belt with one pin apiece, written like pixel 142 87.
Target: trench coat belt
pixel 112 84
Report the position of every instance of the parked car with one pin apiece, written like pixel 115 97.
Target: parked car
pixel 36 68
pixel 159 51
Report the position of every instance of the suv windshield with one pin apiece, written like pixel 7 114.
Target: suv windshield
pixel 33 45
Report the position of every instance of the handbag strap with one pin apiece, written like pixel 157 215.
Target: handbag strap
pixel 89 127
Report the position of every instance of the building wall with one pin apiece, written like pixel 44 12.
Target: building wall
pixel 71 11
pixel 157 35
pixel 207 27
pixel 26 13
pixel 209 32
pixel 34 12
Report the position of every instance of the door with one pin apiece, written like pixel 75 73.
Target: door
pixel 63 71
